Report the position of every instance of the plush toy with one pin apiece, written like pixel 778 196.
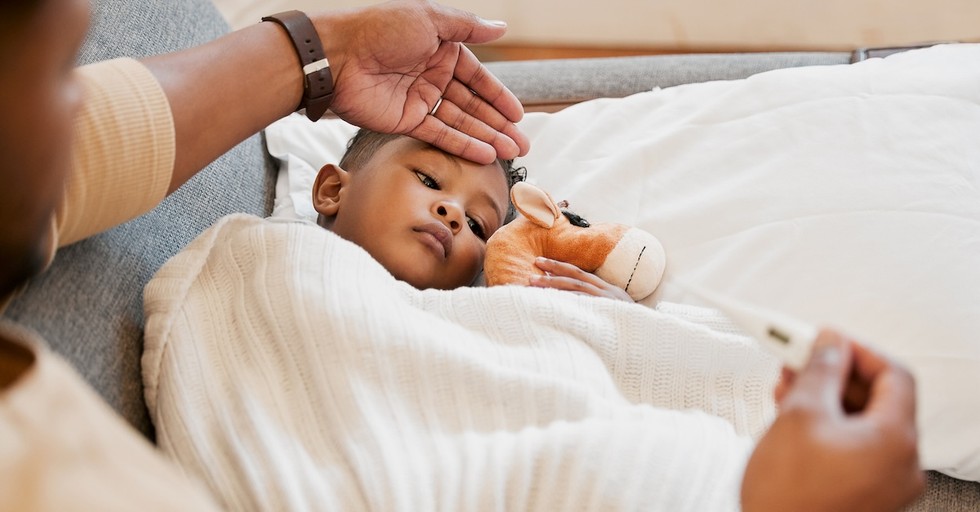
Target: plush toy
pixel 621 255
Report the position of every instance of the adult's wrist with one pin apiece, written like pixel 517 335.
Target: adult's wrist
pixel 334 29
pixel 318 86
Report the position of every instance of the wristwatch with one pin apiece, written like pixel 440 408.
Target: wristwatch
pixel 317 79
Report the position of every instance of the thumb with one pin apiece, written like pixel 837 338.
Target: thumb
pixel 821 383
pixel 460 26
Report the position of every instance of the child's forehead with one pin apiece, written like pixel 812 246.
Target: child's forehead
pixel 404 147
pixel 407 146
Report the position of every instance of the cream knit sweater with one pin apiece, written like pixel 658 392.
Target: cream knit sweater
pixel 62 448
pixel 289 371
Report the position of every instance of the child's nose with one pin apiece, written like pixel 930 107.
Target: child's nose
pixel 451 214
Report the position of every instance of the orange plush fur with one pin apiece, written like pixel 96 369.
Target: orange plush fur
pixel 621 255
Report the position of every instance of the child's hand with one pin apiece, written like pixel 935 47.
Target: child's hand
pixel 565 276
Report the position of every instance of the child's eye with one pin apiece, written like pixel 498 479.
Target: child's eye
pixel 427 180
pixel 476 228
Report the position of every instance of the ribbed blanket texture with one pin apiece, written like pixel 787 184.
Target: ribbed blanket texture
pixel 289 371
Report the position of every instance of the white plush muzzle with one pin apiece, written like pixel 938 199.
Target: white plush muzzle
pixel 636 264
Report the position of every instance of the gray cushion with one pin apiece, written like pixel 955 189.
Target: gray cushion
pixel 88 306
pixel 947 494
pixel 563 81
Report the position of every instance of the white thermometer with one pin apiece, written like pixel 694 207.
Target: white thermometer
pixel 788 338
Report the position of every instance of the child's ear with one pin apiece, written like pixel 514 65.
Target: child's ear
pixel 326 189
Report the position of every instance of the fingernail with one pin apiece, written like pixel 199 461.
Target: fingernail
pixel 497 23
pixel 827 351
pixel 512 147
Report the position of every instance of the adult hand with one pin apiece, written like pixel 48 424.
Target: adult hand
pixel 390 64
pixel 393 62
pixel 845 438
pixel 565 276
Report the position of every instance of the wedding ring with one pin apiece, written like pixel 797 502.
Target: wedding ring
pixel 436 107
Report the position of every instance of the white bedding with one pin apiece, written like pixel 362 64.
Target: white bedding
pixel 289 371
pixel 845 195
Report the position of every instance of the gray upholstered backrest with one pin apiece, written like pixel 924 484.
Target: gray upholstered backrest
pixel 548 85
pixel 88 306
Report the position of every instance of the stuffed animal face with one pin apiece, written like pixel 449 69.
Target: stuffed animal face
pixel 621 255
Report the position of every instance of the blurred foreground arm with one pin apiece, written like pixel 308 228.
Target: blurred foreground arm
pixel 845 438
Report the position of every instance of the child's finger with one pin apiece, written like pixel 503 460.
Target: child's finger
pixel 597 286
pixel 566 283
pixel 560 268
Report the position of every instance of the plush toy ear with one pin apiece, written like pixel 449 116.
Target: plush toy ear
pixel 535 204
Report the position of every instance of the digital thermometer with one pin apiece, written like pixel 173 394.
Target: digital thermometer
pixel 788 338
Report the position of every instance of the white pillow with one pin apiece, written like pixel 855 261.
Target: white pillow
pixel 845 195
pixel 302 148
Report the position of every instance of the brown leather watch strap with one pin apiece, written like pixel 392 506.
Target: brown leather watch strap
pixel 317 80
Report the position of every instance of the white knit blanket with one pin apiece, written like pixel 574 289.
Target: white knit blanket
pixel 289 371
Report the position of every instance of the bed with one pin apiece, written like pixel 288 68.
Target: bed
pixel 923 288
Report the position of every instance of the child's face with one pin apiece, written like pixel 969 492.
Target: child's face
pixel 423 214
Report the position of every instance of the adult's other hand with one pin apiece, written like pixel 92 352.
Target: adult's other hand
pixel 845 438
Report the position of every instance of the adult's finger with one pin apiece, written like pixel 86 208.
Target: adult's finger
pixel 475 106
pixel 454 117
pixel 892 395
pixel 454 142
pixel 866 368
pixel 820 385
pixel 474 75
pixel 868 363
pixel 465 27
pixel 786 379
pixel 871 371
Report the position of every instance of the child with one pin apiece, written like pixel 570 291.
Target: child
pixel 423 214
pixel 426 215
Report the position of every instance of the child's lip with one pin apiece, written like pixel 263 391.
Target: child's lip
pixel 441 236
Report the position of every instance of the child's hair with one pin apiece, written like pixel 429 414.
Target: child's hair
pixel 365 143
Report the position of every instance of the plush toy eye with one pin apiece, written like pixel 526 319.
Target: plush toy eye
pixel 575 220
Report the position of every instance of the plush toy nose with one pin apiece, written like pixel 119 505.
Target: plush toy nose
pixel 636 264
pixel 450 214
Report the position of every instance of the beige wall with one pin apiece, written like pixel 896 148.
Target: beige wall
pixel 712 24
